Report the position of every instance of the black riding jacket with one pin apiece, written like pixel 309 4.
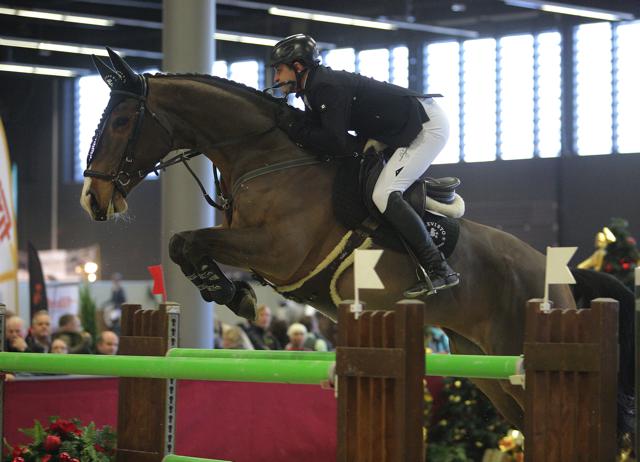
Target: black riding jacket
pixel 338 101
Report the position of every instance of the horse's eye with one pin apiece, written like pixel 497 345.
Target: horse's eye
pixel 120 122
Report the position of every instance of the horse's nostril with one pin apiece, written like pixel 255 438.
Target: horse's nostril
pixel 95 208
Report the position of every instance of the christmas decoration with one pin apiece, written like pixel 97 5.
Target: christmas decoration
pixel 622 255
pixel 465 426
pixel 64 441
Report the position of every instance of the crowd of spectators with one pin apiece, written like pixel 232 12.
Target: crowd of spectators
pixel 267 332
pixel 68 338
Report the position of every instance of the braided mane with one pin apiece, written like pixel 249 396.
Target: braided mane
pixel 231 84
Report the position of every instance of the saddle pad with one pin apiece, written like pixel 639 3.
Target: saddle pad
pixel 349 209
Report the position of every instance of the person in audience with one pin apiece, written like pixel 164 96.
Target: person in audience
pixel 14 335
pixel 297 335
pixel 258 331
pixel 39 338
pixel 279 328
pixel 234 338
pixel 107 343
pixel 314 341
pixel 71 331
pixel 59 346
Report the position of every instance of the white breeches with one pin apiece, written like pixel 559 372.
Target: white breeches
pixel 406 165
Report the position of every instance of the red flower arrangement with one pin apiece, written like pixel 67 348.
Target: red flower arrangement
pixel 65 441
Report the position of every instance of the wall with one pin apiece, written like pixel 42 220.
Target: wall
pixel 543 201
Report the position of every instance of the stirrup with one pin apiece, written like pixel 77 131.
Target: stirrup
pixel 426 287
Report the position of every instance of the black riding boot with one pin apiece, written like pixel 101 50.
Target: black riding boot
pixel 414 232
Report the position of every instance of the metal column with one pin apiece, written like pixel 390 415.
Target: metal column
pixel 188 46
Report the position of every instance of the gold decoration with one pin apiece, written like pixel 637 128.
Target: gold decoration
pixel 603 239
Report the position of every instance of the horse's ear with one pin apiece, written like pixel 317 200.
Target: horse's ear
pixel 129 79
pixel 109 75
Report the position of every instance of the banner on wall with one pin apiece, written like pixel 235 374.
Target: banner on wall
pixel 8 232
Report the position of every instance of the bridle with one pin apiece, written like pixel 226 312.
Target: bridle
pixel 125 171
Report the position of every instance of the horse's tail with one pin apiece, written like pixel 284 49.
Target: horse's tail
pixel 593 284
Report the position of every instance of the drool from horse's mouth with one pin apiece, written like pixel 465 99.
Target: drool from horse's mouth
pixel 117 204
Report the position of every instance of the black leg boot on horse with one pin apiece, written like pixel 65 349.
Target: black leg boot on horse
pixel 413 231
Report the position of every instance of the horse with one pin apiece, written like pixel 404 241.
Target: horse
pixel 279 216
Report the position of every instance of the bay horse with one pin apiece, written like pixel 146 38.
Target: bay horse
pixel 280 223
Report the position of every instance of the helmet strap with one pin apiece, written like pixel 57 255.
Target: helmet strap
pixel 299 79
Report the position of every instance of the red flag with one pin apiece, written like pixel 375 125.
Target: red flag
pixel 158 281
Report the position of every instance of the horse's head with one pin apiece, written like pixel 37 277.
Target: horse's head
pixel 126 145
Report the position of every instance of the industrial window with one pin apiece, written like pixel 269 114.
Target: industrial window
pixel 503 98
pixel 479 100
pixel 548 97
pixel 593 89
pixel 341 59
pixel 515 97
pixel 92 96
pixel 443 76
pixel 627 88
pixel 374 64
pixel 399 66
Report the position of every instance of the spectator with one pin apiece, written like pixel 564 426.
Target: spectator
pixel 314 340
pixel 234 338
pixel 297 335
pixel 107 343
pixel 59 346
pixel 14 335
pixel 258 331
pixel 71 331
pixel 39 338
pixel 279 328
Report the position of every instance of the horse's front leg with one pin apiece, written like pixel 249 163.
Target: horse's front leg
pixel 196 253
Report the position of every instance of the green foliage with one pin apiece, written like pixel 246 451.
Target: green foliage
pixel 622 255
pixel 88 311
pixel 465 425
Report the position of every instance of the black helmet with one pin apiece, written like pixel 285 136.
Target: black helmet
pixel 299 47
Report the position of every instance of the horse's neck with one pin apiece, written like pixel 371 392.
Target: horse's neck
pixel 203 116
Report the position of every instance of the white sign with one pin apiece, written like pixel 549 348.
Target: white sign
pixel 8 232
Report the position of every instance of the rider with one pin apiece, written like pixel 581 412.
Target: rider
pixel 414 127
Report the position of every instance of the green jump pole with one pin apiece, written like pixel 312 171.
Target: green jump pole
pixel 252 354
pixel 158 367
pixel 471 366
pixel 174 458
pixel 241 369
pixel 474 366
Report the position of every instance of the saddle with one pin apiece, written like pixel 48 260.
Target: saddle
pixel 435 201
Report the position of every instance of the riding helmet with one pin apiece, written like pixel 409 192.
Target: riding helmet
pixel 298 47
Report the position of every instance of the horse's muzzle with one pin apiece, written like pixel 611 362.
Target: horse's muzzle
pixel 98 213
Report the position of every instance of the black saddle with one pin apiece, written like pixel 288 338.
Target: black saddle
pixel 354 208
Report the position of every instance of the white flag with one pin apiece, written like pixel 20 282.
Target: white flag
pixel 557 260
pixel 364 269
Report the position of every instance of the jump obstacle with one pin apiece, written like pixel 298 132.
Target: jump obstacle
pixel 570 362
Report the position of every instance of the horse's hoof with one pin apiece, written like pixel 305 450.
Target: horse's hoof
pixel 244 302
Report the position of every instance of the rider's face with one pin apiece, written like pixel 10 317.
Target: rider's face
pixel 282 73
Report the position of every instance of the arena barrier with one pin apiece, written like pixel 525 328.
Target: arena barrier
pixel 570 386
